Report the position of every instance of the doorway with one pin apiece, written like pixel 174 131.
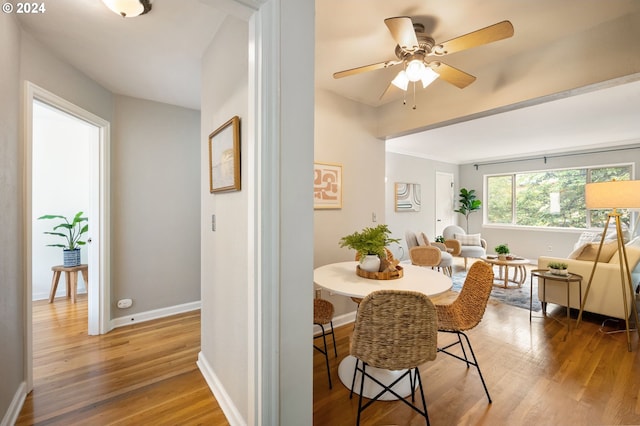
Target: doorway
pixel 97 253
pixel 444 201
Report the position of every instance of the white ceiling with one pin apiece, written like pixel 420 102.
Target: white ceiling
pixel 157 57
pixel 602 118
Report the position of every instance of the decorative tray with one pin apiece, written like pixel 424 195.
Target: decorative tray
pixel 387 275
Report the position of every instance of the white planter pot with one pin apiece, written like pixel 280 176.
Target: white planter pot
pixel 370 263
pixel 502 257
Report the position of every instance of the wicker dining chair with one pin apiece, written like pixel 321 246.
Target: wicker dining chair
pixel 466 311
pixel 322 315
pixel 426 256
pixel 394 330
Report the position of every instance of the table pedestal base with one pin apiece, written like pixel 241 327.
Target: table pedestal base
pixel 371 389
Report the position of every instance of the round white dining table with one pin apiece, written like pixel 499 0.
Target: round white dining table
pixel 341 278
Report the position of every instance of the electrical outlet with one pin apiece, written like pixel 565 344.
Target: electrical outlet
pixel 125 303
pixel 373 217
pixel 549 248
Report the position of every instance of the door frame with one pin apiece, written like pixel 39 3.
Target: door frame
pixel 98 253
pixel 450 176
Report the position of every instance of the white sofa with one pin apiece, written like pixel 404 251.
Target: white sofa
pixel 605 295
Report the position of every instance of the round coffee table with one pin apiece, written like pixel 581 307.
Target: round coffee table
pixel 518 265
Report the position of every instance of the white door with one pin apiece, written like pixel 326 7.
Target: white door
pixel 444 201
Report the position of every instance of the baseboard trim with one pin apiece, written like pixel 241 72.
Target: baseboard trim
pixel 155 314
pixel 224 401
pixel 11 416
pixel 338 321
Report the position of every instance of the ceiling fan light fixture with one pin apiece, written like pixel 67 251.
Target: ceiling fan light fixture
pixel 415 70
pixel 128 8
pixel 428 77
pixel 401 81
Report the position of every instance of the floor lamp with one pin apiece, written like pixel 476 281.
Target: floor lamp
pixel 624 194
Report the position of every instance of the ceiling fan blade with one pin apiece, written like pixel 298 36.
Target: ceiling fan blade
pixel 492 33
pixel 401 29
pixel 365 68
pixel 453 75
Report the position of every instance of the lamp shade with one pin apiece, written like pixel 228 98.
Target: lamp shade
pixel 620 194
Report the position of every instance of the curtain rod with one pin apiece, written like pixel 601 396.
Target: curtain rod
pixel 545 157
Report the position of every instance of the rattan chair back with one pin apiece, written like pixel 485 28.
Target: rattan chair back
pixel 425 256
pixel 395 330
pixel 467 310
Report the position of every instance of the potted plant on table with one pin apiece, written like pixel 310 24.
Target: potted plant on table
pixel 502 251
pixel 72 232
pixel 558 268
pixel 370 244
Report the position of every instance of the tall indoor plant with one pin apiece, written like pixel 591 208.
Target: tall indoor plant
pixel 71 231
pixel 468 204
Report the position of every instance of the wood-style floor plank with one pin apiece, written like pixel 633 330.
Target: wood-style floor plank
pixel 135 375
pixel 534 377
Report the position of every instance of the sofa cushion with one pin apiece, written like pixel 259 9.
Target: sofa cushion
pixel 590 251
pixel 468 239
pixel 586 238
pixel 425 239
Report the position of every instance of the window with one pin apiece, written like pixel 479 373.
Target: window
pixel 551 198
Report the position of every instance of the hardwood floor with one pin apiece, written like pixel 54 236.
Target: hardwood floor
pixel 534 377
pixel 136 375
pixel 146 374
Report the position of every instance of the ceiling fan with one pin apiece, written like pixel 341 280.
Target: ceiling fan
pixel 414 49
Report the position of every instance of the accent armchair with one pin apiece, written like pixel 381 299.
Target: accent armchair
pixel 463 244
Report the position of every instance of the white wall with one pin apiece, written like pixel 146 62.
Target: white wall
pixel 344 134
pixel 11 233
pixel 225 262
pixel 155 184
pixel 407 169
pixel 60 186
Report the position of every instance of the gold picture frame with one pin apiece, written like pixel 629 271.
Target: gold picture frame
pixel 224 157
pixel 327 186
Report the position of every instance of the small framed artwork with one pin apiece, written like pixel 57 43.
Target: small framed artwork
pixel 224 157
pixel 408 197
pixel 327 186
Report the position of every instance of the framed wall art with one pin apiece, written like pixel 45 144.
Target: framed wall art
pixel 407 197
pixel 327 186
pixel 224 157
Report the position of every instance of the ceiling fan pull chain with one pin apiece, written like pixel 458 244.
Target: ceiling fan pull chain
pixel 414 95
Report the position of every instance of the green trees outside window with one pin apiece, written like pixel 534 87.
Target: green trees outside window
pixel 550 198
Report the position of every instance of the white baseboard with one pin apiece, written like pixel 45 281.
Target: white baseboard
pixel 224 401
pixel 343 319
pixel 154 314
pixel 11 416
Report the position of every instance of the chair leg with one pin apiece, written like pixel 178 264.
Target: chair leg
pixel 325 352
pixel 333 336
pixel 475 363
pixel 465 359
pixel 414 375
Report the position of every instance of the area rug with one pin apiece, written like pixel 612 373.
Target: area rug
pixel 513 295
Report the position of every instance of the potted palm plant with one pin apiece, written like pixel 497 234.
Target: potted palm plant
pixel 71 231
pixel 469 203
pixel 370 244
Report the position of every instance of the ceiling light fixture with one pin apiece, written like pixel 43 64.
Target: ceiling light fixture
pixel 128 8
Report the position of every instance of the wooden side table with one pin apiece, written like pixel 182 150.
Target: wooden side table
pixel 544 275
pixel 71 278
